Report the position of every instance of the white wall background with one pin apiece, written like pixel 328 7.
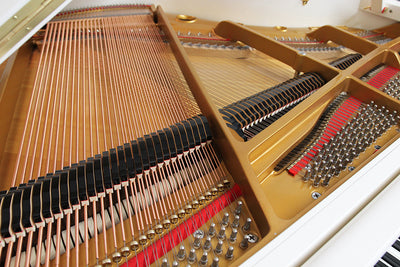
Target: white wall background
pixel 290 13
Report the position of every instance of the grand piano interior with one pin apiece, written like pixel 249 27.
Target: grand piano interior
pixel 199 133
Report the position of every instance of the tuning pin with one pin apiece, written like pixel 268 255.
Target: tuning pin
pixel 192 258
pixel 207 244
pixel 215 262
pixel 233 236
pixel 307 176
pixel 326 180
pixel 225 219
pixel 236 222
pixel 317 180
pixel 204 259
pixel 116 257
pixel 212 231
pixel 106 262
pixel 246 226
pixel 218 248
pixel 221 234
pixel 229 253
pixel 175 264
pixel 197 242
pixel 125 251
pixel 245 242
pixel 164 263
pixel 238 209
pixel 181 253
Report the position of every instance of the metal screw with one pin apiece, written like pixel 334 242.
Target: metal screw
pixel 315 195
pixel 252 238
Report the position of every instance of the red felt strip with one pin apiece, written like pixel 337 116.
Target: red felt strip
pixel 383 76
pixel 372 35
pixel 181 232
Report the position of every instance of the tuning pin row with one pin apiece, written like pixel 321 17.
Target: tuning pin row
pixel 198 34
pixel 364 33
pixel 228 47
pixel 374 37
pixel 307 44
pixel 381 41
pixel 296 39
pixel 215 263
pixel 221 235
pixel 218 251
pixel 392 88
pixel 358 134
pixel 165 263
pixel 324 48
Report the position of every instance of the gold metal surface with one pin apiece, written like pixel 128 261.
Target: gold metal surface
pixel 281 28
pixel 186 18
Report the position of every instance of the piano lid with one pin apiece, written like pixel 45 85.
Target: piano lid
pixel 21 19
